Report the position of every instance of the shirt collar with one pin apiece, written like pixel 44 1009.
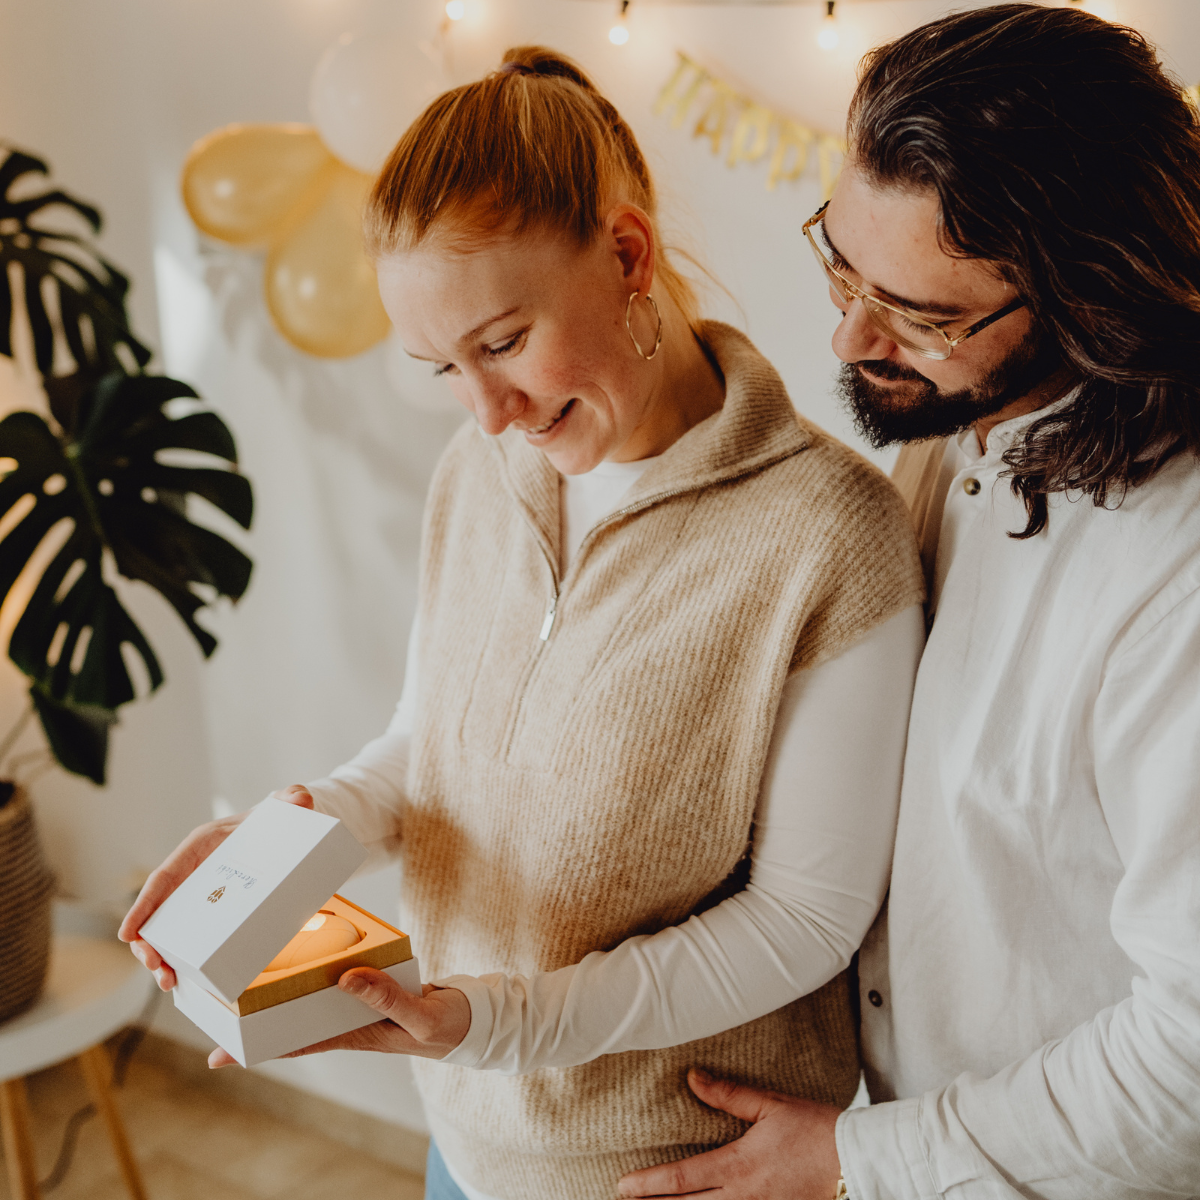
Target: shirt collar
pixel 1005 435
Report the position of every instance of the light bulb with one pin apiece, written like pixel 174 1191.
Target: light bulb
pixel 456 9
pixel 827 35
pixel 323 934
pixel 619 33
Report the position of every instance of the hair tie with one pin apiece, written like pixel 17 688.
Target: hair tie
pixel 516 68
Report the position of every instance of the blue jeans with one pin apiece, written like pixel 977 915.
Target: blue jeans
pixel 438 1184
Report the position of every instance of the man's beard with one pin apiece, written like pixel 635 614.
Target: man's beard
pixel 931 413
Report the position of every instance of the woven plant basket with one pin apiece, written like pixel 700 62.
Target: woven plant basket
pixel 25 890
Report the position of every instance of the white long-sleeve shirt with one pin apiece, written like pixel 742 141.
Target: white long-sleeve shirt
pixel 1032 996
pixel 822 845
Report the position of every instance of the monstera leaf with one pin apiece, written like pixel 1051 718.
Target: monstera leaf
pixel 125 508
pixel 61 271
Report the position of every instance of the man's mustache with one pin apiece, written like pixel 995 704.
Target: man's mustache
pixel 883 368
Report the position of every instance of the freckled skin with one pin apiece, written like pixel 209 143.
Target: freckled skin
pixel 566 312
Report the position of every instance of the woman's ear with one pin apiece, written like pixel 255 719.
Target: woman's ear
pixel 631 234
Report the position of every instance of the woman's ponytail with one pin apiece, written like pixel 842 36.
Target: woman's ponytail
pixel 533 144
pixel 538 60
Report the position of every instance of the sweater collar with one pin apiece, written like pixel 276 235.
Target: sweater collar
pixel 755 427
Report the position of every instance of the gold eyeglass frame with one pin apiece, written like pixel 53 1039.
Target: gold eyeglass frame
pixel 872 304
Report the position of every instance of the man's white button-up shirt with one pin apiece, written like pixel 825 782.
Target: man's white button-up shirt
pixel 1031 994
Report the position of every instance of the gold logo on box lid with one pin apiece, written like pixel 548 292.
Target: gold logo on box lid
pixel 213 897
pixel 230 873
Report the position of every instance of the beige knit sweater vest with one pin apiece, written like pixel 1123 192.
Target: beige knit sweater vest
pixel 569 792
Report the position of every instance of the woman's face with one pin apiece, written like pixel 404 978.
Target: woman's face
pixel 529 331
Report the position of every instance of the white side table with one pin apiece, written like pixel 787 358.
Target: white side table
pixel 95 988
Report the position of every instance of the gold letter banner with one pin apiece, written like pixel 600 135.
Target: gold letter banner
pixel 753 130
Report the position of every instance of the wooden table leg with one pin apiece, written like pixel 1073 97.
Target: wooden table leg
pixel 18 1141
pixel 97 1071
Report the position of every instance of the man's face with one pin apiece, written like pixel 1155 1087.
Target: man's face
pixel 886 242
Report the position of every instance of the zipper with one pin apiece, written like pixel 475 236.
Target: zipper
pixel 535 659
pixel 548 623
pixel 551 564
pixel 628 510
pixel 557 585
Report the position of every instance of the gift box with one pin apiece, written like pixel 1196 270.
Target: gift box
pixel 258 939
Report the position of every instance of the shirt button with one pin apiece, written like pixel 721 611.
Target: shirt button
pixel 971 487
pixel 875 998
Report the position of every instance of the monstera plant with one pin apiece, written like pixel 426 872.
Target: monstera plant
pixel 103 485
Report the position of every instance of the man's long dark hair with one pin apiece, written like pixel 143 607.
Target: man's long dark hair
pixel 1062 151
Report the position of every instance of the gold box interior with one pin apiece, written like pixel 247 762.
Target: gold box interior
pixel 382 945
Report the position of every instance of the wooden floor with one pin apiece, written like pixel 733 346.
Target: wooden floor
pixel 192 1145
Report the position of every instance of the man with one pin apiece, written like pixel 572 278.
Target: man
pixel 1015 244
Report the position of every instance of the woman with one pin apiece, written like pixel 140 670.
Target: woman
pixel 657 612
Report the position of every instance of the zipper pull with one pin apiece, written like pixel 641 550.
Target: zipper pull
pixel 548 623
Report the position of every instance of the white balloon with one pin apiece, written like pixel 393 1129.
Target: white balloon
pixel 366 91
pixel 415 381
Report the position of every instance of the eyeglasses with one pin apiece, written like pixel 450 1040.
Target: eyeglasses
pixel 900 325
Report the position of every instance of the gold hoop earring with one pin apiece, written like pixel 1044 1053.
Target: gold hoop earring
pixel 629 325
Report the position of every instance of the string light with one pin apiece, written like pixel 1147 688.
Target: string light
pixel 619 33
pixel 456 9
pixel 828 36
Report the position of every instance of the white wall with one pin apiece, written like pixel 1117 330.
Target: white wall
pixel 113 92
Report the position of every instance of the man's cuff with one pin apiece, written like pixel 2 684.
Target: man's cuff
pixel 879 1148
pixel 470 1051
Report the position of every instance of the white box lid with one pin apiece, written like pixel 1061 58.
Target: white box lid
pixel 249 898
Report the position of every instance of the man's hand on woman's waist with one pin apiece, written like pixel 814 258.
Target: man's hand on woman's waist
pixel 789 1153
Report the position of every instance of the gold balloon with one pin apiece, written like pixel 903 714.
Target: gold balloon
pixel 241 182
pixel 321 289
pixel 278 186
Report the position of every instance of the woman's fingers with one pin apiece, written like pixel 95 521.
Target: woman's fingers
pixel 427 1026
pixel 296 793
pixel 153 961
pixel 146 954
pixel 435 1021
pixel 187 856
pixel 384 1037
